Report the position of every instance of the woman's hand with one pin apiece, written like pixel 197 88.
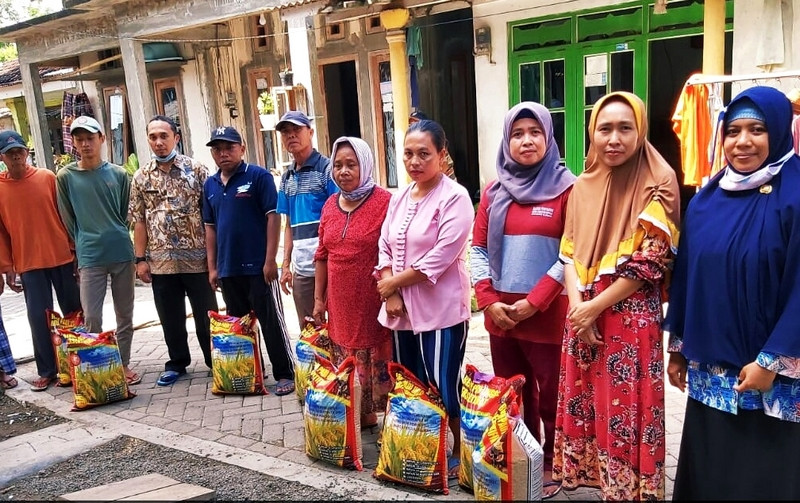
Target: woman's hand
pixel 582 318
pixel 499 312
pixel 676 370
pixel 387 287
pixel 320 307
pixel 395 306
pixel 754 376
pixel 521 310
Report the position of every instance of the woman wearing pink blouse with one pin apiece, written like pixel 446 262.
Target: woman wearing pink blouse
pixel 422 270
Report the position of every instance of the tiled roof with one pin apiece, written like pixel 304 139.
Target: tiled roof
pixel 10 73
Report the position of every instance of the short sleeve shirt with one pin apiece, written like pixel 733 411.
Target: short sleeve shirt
pixel 170 204
pixel 238 211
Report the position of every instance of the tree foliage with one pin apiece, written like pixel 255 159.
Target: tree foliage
pixel 14 11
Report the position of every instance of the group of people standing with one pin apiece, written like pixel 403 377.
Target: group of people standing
pixel 571 274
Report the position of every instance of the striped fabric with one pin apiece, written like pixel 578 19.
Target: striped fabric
pixel 6 358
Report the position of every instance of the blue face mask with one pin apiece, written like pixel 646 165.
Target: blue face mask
pixel 167 158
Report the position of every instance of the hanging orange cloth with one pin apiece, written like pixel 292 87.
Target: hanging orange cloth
pixel 692 123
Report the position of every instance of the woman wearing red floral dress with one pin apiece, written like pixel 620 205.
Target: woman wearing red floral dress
pixel 349 229
pixel 619 240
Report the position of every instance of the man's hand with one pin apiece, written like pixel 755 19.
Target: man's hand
pixel 754 376
pixel 287 282
pixel 499 313
pixel 676 370
pixel 213 279
pixel 270 271
pixel 143 271
pixel 11 281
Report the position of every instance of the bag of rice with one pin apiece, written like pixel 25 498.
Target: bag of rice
pixel 72 321
pixel 95 369
pixel 508 462
pixel 313 341
pixel 236 355
pixel 481 395
pixel 414 436
pixel 332 414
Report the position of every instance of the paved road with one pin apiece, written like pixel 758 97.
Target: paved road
pixel 264 433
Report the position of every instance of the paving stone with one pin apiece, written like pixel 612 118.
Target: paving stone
pixel 180 427
pixel 206 434
pixel 241 411
pixel 251 428
pixel 294 437
pixel 236 441
pixel 233 423
pixel 212 418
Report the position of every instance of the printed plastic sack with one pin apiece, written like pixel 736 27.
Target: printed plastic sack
pixel 235 355
pixel 414 436
pixel 73 321
pixel 95 369
pixel 481 395
pixel 332 414
pixel 508 463
pixel 313 341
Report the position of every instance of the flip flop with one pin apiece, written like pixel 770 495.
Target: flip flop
pixel 551 484
pixel 42 383
pixel 133 378
pixel 168 377
pixel 284 387
pixel 8 382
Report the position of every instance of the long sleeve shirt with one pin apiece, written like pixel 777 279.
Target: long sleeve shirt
pixel 430 236
pixel 31 233
pixel 94 207
pixel 530 267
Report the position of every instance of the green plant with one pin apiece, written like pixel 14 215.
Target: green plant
pixel 266 105
pixel 132 164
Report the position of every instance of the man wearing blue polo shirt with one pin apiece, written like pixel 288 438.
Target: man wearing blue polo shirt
pixel 242 234
pixel 304 188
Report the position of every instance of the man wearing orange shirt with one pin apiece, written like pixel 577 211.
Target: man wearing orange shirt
pixel 35 246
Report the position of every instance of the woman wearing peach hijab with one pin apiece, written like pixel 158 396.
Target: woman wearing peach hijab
pixel 619 240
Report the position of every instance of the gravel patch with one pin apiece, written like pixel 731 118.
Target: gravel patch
pixel 126 457
pixel 17 418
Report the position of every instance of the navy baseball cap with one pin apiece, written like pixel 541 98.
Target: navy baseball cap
pixel 225 133
pixel 295 117
pixel 11 139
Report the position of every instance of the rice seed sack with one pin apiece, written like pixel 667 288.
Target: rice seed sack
pixel 508 463
pixel 332 414
pixel 313 341
pixel 95 369
pixel 414 436
pixel 72 321
pixel 235 355
pixel 481 395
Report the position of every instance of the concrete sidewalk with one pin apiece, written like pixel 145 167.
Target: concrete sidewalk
pixel 262 433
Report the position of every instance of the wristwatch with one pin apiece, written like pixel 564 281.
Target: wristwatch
pixel 139 259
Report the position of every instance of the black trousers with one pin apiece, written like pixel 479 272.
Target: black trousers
pixel 38 288
pixel 169 291
pixel 243 294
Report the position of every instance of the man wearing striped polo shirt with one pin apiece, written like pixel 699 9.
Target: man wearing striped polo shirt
pixel 304 188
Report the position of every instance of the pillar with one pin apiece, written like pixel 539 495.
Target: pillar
pixel 394 21
pixel 714 37
pixel 140 100
pixel 34 103
pixel 303 57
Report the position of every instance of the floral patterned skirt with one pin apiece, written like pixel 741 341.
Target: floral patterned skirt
pixel 373 373
pixel 610 417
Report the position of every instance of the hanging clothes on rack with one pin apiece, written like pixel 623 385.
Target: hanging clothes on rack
pixel 83 106
pixel 415 61
pixel 67 115
pixel 716 157
pixel 794 97
pixel 691 122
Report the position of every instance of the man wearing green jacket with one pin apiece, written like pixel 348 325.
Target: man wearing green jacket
pixel 93 200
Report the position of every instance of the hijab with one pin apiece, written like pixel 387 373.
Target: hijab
pixel 773 108
pixel 609 206
pixel 538 183
pixel 366 163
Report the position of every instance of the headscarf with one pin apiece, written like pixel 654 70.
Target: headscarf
pixel 774 109
pixel 366 163
pixel 610 209
pixel 541 182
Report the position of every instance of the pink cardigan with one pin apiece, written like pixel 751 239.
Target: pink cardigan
pixel 429 235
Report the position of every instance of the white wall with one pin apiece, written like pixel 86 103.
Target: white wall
pixel 15 91
pixel 749 20
pixel 492 79
pixel 197 121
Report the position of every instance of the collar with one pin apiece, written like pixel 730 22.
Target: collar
pixel 311 162
pixel 243 167
pixel 152 164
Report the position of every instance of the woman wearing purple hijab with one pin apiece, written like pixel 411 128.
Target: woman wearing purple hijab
pixel 515 268
pixel 345 288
